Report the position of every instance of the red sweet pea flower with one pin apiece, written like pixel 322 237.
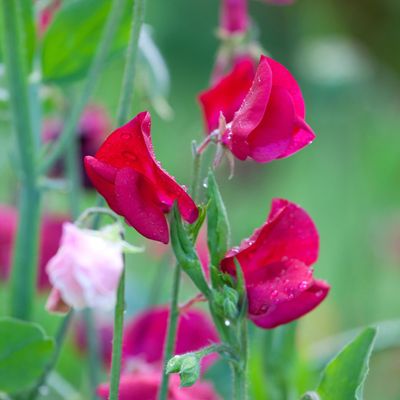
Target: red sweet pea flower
pixel 145 386
pixel 234 18
pixel 145 335
pixel 126 172
pixel 276 262
pixel 264 110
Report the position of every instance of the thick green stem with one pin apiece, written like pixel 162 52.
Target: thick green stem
pixel 171 332
pixel 239 370
pixel 25 251
pixel 117 339
pixel 87 90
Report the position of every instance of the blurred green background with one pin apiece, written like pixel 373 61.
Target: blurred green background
pixel 345 56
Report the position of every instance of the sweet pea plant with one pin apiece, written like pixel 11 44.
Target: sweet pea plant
pixel 254 111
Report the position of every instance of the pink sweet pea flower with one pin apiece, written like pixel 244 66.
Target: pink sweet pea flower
pixel 276 262
pixel 126 173
pixel 263 108
pixel 144 336
pixel 145 386
pixel 50 234
pixel 85 271
pixel 92 129
pixel 46 16
pixel 234 17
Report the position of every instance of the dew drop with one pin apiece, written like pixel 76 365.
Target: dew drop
pixel 128 156
pixel 227 322
pixel 125 135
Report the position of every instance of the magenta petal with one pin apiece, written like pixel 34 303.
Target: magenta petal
pixel 227 95
pixel 302 137
pixel 283 78
pixel 289 232
pixel 252 110
pixel 138 202
pixel 285 312
pixel 102 175
pixel 271 138
pixel 276 283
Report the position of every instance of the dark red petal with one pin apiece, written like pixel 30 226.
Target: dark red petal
pixel 288 311
pixel 138 202
pixel 252 109
pixel 272 137
pixel 130 146
pixel 283 78
pixel 276 283
pixel 289 232
pixel 103 176
pixel 228 94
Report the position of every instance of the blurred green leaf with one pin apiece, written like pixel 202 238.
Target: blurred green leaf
pixel 344 376
pixel 71 40
pixel 154 76
pixel 217 222
pixel 25 351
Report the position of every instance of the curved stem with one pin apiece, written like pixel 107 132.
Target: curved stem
pixel 171 332
pixel 87 90
pixel 196 171
pixel 25 250
pixel 117 339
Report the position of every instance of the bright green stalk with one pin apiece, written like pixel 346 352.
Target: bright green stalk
pixel 25 251
pixel 117 339
pixel 89 85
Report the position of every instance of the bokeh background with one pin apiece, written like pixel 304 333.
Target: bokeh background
pixel 345 56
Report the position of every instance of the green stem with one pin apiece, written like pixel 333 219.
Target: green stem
pixel 60 336
pixel 96 67
pixel 25 251
pixel 171 332
pixel 196 171
pixel 125 101
pixel 117 339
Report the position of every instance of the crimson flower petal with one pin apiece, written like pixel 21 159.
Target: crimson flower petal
pixel 285 312
pixel 271 138
pixel 252 110
pixel 138 203
pixel 289 232
pixel 277 283
pixel 228 94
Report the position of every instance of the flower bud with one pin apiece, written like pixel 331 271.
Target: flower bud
pixel 188 367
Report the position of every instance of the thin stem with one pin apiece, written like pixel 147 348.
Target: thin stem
pixel 117 339
pixel 25 251
pixel 196 171
pixel 87 90
pixel 59 340
pixel 125 101
pixel 240 370
pixel 171 332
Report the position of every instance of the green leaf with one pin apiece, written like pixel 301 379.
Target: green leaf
pixel 344 376
pixel 69 44
pixel 25 351
pixel 217 222
pixel 154 78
